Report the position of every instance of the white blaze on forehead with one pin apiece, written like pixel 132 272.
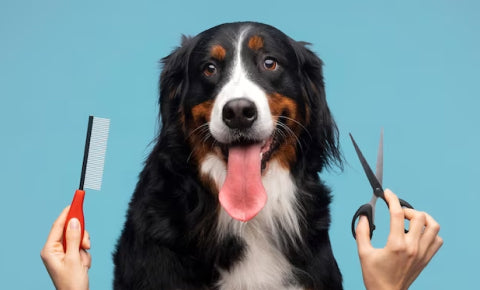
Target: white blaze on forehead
pixel 237 86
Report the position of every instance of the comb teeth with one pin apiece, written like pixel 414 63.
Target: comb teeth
pixel 97 136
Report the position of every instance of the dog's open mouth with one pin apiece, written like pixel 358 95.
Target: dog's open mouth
pixel 267 147
pixel 243 195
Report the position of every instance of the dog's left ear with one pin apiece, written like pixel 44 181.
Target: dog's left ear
pixel 322 128
pixel 173 80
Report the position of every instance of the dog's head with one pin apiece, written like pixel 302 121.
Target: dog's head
pixel 248 95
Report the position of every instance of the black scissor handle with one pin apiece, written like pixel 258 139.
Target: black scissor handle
pixel 367 211
pixel 403 203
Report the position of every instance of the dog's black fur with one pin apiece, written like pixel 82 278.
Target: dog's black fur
pixel 169 240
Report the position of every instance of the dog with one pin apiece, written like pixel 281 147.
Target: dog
pixel 230 196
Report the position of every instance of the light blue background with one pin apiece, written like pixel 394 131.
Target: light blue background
pixel 410 66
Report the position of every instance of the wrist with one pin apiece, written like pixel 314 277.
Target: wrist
pixel 378 284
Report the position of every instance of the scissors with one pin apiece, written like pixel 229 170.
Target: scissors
pixel 375 180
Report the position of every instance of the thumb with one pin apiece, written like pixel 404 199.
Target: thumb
pixel 73 237
pixel 363 235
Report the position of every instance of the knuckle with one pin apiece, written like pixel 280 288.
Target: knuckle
pixel 397 213
pixel 362 253
pixel 43 255
pixel 439 241
pixel 412 251
pixel 70 259
pixel 398 246
pixel 435 227
pixel 421 216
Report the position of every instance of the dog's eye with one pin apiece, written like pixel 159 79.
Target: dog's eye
pixel 270 64
pixel 209 70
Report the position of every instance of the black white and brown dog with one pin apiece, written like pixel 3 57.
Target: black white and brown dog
pixel 230 197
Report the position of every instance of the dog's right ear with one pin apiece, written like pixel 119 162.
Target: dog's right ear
pixel 322 128
pixel 173 80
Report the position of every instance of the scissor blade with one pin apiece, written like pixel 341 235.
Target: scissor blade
pixel 376 186
pixel 379 168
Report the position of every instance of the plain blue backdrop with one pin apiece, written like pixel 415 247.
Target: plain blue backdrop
pixel 411 67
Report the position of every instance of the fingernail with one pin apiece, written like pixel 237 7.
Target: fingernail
pixel 74 224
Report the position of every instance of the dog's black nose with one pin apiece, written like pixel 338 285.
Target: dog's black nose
pixel 239 113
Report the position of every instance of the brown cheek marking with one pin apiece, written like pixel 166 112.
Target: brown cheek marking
pixel 218 52
pixel 255 42
pixel 283 106
pixel 200 144
pixel 201 112
pixel 280 104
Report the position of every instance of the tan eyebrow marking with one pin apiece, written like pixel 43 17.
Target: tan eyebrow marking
pixel 255 42
pixel 218 52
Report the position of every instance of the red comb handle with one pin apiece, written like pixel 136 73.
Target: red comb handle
pixel 76 211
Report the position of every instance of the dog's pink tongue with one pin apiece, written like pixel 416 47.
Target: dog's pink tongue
pixel 243 195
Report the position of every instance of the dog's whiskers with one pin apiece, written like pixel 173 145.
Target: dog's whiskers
pixel 287 131
pixel 203 133
pixel 204 126
pixel 298 123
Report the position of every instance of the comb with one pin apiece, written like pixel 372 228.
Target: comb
pixel 92 169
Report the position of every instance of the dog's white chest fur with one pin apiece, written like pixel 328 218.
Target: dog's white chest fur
pixel 263 266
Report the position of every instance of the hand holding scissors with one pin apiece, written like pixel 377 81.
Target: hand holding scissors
pixel 375 180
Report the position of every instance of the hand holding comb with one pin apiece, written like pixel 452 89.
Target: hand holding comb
pixel 92 169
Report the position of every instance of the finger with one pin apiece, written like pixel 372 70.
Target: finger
pixel 73 236
pixel 56 232
pixel 433 249
pixel 431 229
pixel 86 241
pixel 86 258
pixel 397 216
pixel 363 236
pixel 417 222
pixel 430 242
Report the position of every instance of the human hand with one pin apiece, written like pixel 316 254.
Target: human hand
pixel 69 271
pixel 405 255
